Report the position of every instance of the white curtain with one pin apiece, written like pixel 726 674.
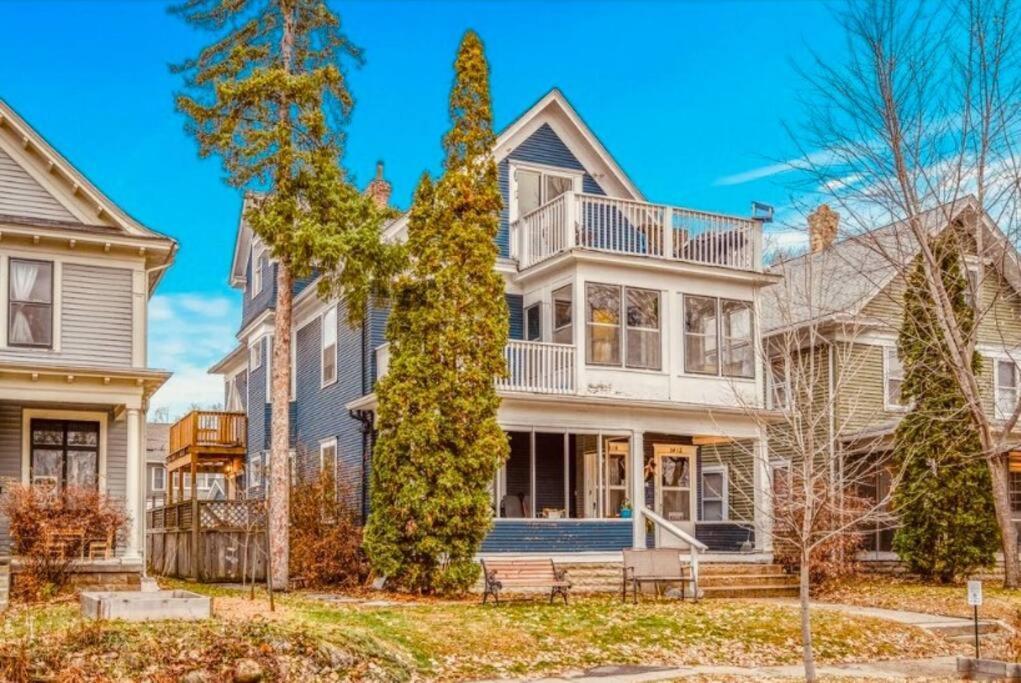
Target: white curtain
pixel 23 278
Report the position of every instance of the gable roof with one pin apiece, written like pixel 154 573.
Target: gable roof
pixel 31 168
pixel 840 280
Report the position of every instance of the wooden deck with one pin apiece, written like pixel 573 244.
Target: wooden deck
pixel 206 441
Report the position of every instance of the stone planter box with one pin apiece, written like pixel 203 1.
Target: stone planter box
pixel 969 666
pixel 137 606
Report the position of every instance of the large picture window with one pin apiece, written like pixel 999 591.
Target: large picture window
pixel 701 343
pixel 64 453
pixel 30 312
pixel 603 319
pixel 563 315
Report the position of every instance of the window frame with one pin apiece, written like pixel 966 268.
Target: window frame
pixel 255 355
pixel 268 363
pixel 65 422
pixel 685 297
pixel 998 411
pixel 324 347
pixel 619 326
pixel 569 288
pixel 537 308
pixel 258 252
pixel 325 445
pixel 152 478
pixel 576 177
pixel 888 404
pixel 724 496
pixel 772 383
pixel 627 327
pixel 50 305
pixel 723 347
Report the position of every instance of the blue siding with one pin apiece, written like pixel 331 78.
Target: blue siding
pixel 243 388
pixel 251 308
pixel 557 536
pixel 541 147
pixel 256 415
pixel 516 315
pixel 725 536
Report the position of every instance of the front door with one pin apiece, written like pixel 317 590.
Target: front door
pixel 675 490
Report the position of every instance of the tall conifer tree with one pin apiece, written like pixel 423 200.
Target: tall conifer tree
pixel 944 502
pixel 439 441
pixel 269 96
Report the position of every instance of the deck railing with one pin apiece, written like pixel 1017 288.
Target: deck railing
pixel 622 226
pixel 539 367
pixel 206 428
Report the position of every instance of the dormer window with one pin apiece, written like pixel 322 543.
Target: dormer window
pixel 30 314
pixel 535 188
pixel 259 263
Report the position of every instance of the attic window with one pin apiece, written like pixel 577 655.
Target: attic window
pixel 535 188
pixel 259 263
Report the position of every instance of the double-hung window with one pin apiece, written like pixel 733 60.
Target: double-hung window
pixel 714 493
pixel 30 310
pixel 329 347
pixel 327 455
pixel 268 351
pixel 255 352
pixel 533 322
pixel 1006 388
pixel 259 264
pixel 563 315
pixel 779 388
pixel 640 321
pixel 893 378
pixel 159 478
pixel 535 188
pixel 701 343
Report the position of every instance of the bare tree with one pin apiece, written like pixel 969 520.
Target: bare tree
pixel 824 462
pixel 916 128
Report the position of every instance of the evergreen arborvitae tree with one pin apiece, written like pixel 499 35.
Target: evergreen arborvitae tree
pixel 269 96
pixel 439 442
pixel 944 502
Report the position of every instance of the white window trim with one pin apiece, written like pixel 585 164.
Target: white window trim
pixel 28 414
pixel 524 314
pixel 998 413
pixel 257 284
pixel 254 355
pixel 575 175
pixel 258 466
pixel 887 403
pixel 323 445
pixel 771 383
pixel 268 352
pixel 725 476
pixel 56 306
pixel 625 327
pixel 323 382
pixel 152 478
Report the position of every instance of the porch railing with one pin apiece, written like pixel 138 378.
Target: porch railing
pixel 204 428
pixel 539 367
pixel 622 226
pixel 695 546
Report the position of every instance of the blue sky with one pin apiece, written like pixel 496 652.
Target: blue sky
pixel 689 97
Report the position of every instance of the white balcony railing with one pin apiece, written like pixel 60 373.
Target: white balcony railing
pixel 539 367
pixel 536 367
pixel 622 226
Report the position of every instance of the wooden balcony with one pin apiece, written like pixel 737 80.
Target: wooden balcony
pixel 205 441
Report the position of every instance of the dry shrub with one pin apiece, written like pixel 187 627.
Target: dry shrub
pixel 51 529
pixel 835 531
pixel 325 535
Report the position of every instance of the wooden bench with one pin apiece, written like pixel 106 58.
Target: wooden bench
pixel 659 565
pixel 503 575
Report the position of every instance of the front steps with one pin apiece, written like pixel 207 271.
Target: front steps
pixel 717 580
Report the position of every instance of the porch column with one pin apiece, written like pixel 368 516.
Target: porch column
pixel 637 494
pixel 133 502
pixel 763 497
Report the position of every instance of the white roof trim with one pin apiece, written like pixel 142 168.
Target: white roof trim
pixel 527 121
pixel 80 184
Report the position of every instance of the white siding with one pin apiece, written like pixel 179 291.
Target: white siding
pixel 22 195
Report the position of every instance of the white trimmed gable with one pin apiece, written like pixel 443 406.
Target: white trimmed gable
pixel 23 195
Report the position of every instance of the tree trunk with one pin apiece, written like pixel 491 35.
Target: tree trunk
pixel 279 469
pixel 1004 517
pixel 806 620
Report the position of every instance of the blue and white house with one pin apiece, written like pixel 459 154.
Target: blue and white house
pixel 633 354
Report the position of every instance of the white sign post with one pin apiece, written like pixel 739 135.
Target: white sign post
pixel 975 599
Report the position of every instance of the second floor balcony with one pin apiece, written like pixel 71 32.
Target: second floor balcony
pixel 576 220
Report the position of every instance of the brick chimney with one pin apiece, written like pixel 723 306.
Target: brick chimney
pixel 822 227
pixel 379 188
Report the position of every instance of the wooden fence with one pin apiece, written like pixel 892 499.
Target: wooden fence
pixel 227 542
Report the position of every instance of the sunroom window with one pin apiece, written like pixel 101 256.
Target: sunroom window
pixel 643 341
pixel 701 350
pixel 533 323
pixel 1006 388
pixel 603 319
pixel 30 316
pixel 563 315
pixel 738 344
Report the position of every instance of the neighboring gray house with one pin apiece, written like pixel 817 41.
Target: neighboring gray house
pixel 76 275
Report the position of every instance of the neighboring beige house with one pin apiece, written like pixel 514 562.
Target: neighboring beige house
pixel 76 274
pixel 851 294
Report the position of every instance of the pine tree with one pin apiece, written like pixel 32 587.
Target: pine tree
pixel 439 442
pixel 944 501
pixel 269 96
